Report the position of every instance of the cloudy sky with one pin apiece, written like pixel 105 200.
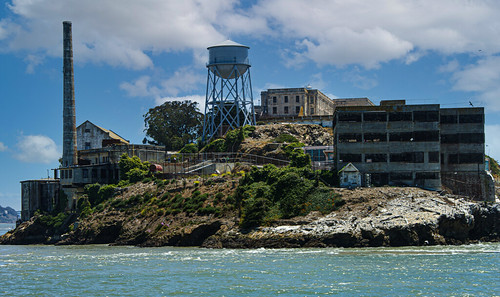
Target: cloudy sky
pixel 131 55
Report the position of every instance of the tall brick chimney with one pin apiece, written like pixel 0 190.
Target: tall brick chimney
pixel 69 121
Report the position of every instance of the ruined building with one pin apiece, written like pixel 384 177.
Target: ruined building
pixel 414 145
pixel 295 102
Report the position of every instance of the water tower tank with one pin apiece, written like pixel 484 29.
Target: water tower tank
pixel 228 59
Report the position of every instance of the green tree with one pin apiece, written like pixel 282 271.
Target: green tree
pixel 173 124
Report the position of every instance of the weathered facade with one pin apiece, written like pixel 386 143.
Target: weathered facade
pixel 40 194
pixel 417 145
pixel 90 136
pixel 301 102
pixel 295 102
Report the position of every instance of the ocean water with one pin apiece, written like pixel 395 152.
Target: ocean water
pixel 99 270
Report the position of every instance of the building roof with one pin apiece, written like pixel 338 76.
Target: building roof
pixel 349 168
pixel 228 43
pixel 110 133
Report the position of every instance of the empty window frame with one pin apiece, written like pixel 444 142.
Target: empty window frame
pixel 312 110
pixel 449 138
pixel 350 137
pixel 470 158
pixel 401 176
pixel 408 157
pixel 375 117
pixel 275 100
pixel 470 118
pixel 85 173
pixel 453 159
pixel 297 99
pixel 431 135
pixel 297 109
pixel 427 175
pixel 349 117
pixel 433 157
pixel 400 116
pixel 471 137
pixel 286 99
pixel 285 110
pixel 426 116
pixel 94 173
pixel 401 136
pixel 375 137
pixel 87 145
pixel 350 157
pixel 449 119
pixel 275 110
pixel 375 158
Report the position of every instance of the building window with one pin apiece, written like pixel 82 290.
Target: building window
pixel 87 145
pixel 274 99
pixel 311 99
pixel 70 173
pixel 286 99
pixel 94 173
pixel 275 110
pixel 297 99
pixel 87 130
pixel 285 110
pixel 312 110
pixel 85 173
pixel 433 157
pixel 297 109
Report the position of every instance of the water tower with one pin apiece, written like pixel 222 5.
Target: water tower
pixel 229 100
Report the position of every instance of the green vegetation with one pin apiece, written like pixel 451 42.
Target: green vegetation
pixel 270 193
pixel 494 168
pixel 52 221
pixel 285 138
pixel 189 148
pixel 173 124
pixel 231 141
pixel 132 169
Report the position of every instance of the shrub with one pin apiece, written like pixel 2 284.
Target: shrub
pixel 92 192
pixel 189 148
pixel 106 192
pixel 127 164
pixel 216 146
pixel 136 175
pixel 254 212
pixel 284 137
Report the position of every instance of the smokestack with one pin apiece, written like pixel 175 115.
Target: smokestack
pixel 69 122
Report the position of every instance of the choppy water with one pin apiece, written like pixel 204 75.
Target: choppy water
pixel 98 270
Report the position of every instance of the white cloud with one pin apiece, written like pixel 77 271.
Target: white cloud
pixel 3 147
pixel 328 32
pixel 36 149
pixel 32 61
pixel 482 78
pixel 360 81
pixel 492 141
pixel 196 98
pixel 183 80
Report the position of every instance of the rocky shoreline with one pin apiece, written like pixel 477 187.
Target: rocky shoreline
pixel 371 217
pixel 405 221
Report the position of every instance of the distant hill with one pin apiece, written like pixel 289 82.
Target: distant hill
pixel 7 215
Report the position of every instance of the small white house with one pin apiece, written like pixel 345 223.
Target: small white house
pixel 350 177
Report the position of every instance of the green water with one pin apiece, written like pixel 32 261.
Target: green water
pixel 97 270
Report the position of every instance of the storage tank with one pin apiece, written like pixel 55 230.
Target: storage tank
pixel 228 59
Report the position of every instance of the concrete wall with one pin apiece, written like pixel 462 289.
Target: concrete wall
pixel 38 194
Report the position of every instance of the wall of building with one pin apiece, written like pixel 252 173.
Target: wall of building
pixel 38 194
pixel 290 101
pixel 393 144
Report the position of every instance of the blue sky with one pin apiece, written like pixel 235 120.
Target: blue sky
pixel 132 55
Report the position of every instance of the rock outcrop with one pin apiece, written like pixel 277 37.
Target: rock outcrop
pixel 410 217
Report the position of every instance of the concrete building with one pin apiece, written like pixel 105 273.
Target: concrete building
pixel 301 102
pixel 90 136
pixel 40 194
pixel 417 145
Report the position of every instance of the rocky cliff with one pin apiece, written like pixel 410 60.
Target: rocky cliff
pixel 147 214
pixel 377 217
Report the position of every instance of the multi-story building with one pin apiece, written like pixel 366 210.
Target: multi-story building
pixel 91 136
pixel 417 145
pixel 296 102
